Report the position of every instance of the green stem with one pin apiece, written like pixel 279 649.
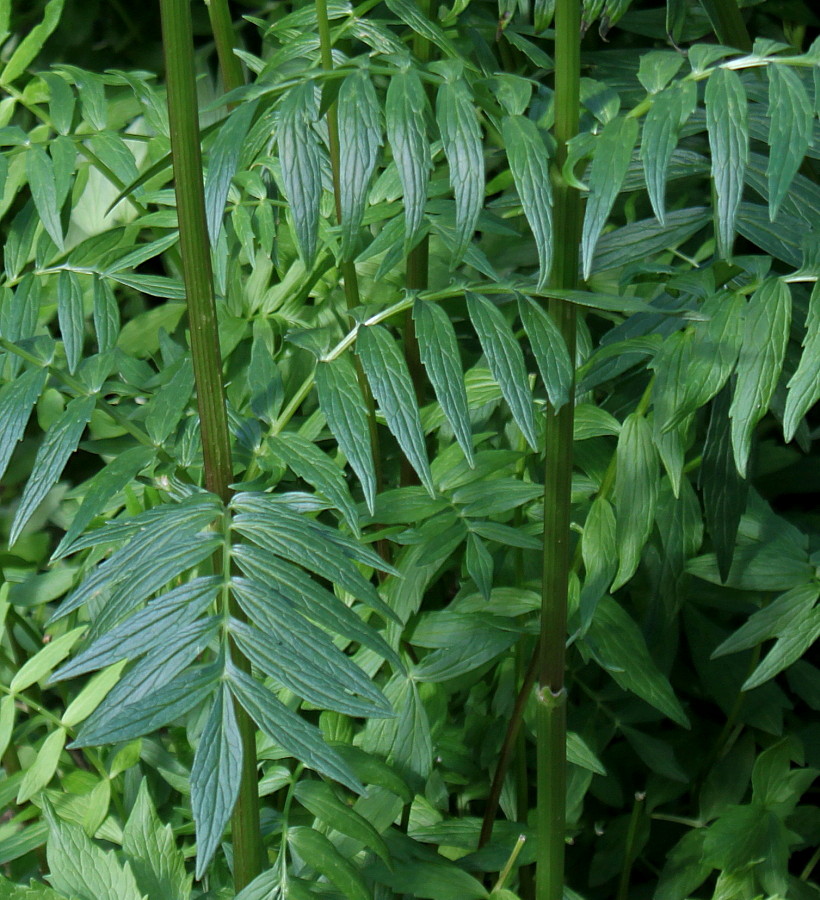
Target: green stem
pixel 629 849
pixel 551 725
pixel 196 262
pixel 222 27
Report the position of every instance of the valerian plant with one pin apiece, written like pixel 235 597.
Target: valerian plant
pixel 396 455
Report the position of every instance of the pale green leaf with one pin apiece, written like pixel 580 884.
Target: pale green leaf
pixel 506 361
pixel 529 163
pixel 549 349
pixel 405 112
pixel 438 348
pixel 790 646
pixel 461 138
pixel 215 777
pixel 300 157
pixel 613 151
pixel 42 770
pixel 27 50
pixel 106 315
pixel 40 172
pixel 292 733
pixel 340 399
pixel 70 316
pixel 17 399
pixel 389 379
pixel 360 137
pixel 45 660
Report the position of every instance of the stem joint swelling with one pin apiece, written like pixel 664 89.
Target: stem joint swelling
pixel 552 700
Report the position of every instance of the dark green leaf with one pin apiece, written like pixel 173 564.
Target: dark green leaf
pixel 479 563
pixel 804 385
pixel 70 316
pixel 506 361
pixel 529 163
pixel 790 131
pixel 438 348
pixel 360 137
pixel 308 462
pixel 461 137
pixel 669 112
pixel 726 120
pixel 405 112
pixel 292 733
pixel 390 382
pixel 409 13
pixel 341 401
pixel 600 555
pixel 224 158
pixel 59 443
pixel 28 48
pixel 319 853
pixel 765 335
pixel 613 151
pixel 17 399
pixel 320 799
pixel 106 315
pixel 215 777
pixel 549 349
pixel 301 165
pixel 169 403
pixel 40 172
pixel 791 645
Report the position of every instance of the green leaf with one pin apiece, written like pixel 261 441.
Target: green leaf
pixel 148 713
pixel 529 164
pixel 389 379
pixel 146 630
pixel 620 648
pixel 669 112
pixel 409 13
pixel 506 361
pixel 82 870
pixel 804 385
pixel 636 493
pixel 726 121
pixel 724 490
pixel 307 461
pixel 790 131
pixel 773 620
pixel 685 871
pixel 17 398
pixel 438 348
pixel 320 799
pixel 549 349
pixel 314 602
pixel 91 696
pixel 320 854
pixel 7 711
pixel 301 165
pixel 40 172
pixel 360 137
pixel 61 101
pixel 479 562
pixel 107 483
pixel 42 770
pixel 461 138
pixel 613 151
pixel 300 657
pixel 106 315
pixel 405 113
pixel 70 316
pixel 44 661
pixel 790 646
pixel 32 43
pixel 150 846
pixel 215 777
pixel 340 399
pixel 292 733
pixel 580 754
pixel 765 335
pixel 169 403
pixel 224 158
pixel 600 554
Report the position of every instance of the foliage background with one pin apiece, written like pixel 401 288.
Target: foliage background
pixel 691 761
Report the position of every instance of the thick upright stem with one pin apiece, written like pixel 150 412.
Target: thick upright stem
pixel 196 261
pixel 551 712
pixel 222 28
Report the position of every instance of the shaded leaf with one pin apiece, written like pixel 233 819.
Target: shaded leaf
pixel 319 853
pixel 804 385
pixel 17 399
pixel 549 349
pixel 790 131
pixel 40 172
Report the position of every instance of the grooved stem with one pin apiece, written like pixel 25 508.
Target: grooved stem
pixel 222 27
pixel 177 35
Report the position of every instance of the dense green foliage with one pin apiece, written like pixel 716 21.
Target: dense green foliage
pixel 381 201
